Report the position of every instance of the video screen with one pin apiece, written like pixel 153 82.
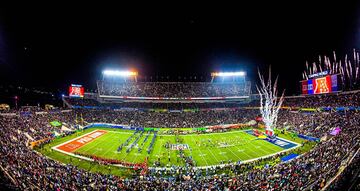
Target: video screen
pixel 321 85
pixel 76 91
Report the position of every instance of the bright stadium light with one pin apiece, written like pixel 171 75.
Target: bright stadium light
pixel 214 74
pixel 119 73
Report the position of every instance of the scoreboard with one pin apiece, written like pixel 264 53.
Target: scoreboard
pixel 76 90
pixel 321 85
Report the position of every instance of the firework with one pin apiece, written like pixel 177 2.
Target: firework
pixel 269 102
pixel 347 68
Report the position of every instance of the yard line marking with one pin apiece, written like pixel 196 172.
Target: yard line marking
pixel 90 147
pixel 246 149
pixel 132 139
pixel 258 147
pixel 110 148
pixel 137 154
pixel 269 148
pixel 160 141
pixel 86 150
pixel 247 144
pixel 192 138
pixel 100 142
pixel 265 152
pixel 238 158
pixel 250 143
pixel 222 156
pixel 213 155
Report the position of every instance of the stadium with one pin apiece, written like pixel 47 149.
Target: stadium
pixel 231 129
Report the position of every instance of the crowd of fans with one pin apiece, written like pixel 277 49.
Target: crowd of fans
pixel 29 170
pixel 343 99
pixel 84 102
pixel 32 125
pixel 173 89
pixel 315 124
pixel 167 119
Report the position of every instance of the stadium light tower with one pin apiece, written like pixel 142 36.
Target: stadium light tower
pixel 118 73
pixel 269 102
pixel 228 74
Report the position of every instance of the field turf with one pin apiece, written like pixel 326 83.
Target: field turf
pixel 205 149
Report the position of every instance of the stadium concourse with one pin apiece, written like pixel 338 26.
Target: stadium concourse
pixel 322 167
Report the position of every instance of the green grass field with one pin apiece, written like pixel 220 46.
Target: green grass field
pixel 205 149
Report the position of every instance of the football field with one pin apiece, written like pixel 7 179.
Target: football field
pixel 204 149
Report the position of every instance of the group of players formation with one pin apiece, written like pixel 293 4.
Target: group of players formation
pixel 24 168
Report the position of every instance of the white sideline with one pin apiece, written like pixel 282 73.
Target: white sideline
pixel 64 143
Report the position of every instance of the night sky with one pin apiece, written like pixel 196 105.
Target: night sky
pixel 55 45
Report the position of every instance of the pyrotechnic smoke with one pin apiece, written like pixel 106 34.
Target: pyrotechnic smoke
pixel 269 102
pixel 347 68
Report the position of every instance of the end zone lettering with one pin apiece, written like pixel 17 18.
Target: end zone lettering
pixel 81 141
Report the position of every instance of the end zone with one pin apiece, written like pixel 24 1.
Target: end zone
pixel 73 144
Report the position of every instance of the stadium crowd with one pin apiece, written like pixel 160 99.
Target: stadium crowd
pixel 173 89
pixel 30 170
pixel 84 102
pixel 315 124
pixel 167 119
pixel 343 99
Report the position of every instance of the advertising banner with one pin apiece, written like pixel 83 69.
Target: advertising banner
pixel 304 87
pixel 310 87
pixel 334 83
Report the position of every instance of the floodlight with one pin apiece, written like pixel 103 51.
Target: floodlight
pixel 119 73
pixel 228 74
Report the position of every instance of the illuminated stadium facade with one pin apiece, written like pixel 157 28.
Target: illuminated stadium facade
pixel 223 87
